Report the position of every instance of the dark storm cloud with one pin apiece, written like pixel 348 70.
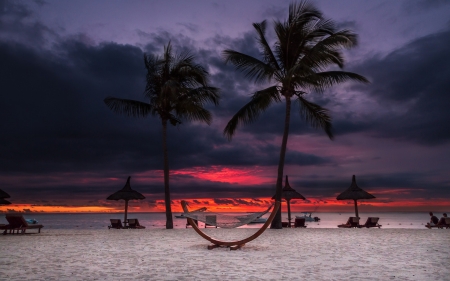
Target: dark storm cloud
pixel 414 81
pixel 54 106
pixel 16 25
pixel 374 183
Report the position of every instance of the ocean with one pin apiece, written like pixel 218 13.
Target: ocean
pixel 412 220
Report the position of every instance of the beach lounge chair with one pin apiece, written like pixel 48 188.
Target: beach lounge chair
pixel 442 223
pixel 371 222
pixel 299 222
pixel 188 224
pixel 115 223
pixel 134 223
pixel 447 223
pixel 17 224
pixel 352 222
pixel 211 221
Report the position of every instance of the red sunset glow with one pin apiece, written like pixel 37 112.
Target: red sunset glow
pixel 244 205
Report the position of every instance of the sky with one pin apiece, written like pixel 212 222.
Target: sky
pixel 63 150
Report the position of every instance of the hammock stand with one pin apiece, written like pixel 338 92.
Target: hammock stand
pixel 233 245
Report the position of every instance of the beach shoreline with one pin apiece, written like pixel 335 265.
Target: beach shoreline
pixel 181 254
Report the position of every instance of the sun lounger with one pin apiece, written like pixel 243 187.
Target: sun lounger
pixel 447 223
pixel 17 224
pixel 299 222
pixel 188 224
pixel 134 223
pixel 442 223
pixel 211 221
pixel 285 224
pixel 371 222
pixel 116 223
pixel 352 222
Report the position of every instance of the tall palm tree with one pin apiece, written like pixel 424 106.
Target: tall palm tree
pixel 176 89
pixel 306 46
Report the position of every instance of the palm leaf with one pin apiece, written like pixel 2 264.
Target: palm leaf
pixel 259 102
pixel 128 107
pixel 327 79
pixel 315 115
pixel 253 68
pixel 266 50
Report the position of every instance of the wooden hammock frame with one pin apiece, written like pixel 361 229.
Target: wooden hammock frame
pixel 233 245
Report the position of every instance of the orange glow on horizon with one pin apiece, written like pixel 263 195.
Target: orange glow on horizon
pixel 56 209
pixel 245 205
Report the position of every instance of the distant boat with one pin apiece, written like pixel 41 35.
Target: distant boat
pixel 308 217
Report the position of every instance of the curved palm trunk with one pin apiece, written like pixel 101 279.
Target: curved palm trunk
pixel 169 219
pixel 276 223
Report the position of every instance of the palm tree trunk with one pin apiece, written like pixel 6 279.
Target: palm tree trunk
pixel 169 219
pixel 276 223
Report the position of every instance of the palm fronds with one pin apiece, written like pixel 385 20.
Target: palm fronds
pixel 259 102
pixel 315 115
pixel 128 107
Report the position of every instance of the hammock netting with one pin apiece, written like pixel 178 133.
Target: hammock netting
pixel 224 220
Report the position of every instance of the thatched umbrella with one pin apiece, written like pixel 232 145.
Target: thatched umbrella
pixel 4 195
pixel 287 194
pixel 4 202
pixel 126 193
pixel 354 193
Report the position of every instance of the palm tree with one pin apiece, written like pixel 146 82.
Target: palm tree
pixel 305 47
pixel 176 89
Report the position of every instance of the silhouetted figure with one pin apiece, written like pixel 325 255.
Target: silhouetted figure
pixel 433 220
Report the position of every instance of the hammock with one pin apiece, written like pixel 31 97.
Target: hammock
pixel 222 220
pixel 233 245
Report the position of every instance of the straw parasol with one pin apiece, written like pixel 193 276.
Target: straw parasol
pixel 354 193
pixel 126 193
pixel 4 202
pixel 287 194
pixel 4 195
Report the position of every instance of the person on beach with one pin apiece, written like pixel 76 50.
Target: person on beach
pixel 433 220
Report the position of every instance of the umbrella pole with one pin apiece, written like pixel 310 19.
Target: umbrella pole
pixel 356 208
pixel 126 210
pixel 289 212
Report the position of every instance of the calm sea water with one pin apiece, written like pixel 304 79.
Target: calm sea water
pixel 157 220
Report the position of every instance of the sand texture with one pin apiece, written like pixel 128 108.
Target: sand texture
pixel 181 254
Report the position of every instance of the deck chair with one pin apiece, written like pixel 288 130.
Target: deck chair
pixel 371 222
pixel 447 223
pixel 442 223
pixel 299 222
pixel 134 223
pixel 115 223
pixel 188 224
pixel 211 221
pixel 352 222
pixel 17 224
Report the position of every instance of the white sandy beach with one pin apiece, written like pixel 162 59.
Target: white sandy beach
pixel 181 254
